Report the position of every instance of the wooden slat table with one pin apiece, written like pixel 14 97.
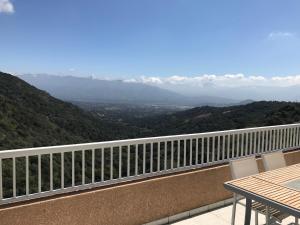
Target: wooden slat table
pixel 276 188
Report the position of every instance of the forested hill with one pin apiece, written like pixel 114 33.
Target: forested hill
pixel 204 119
pixel 30 117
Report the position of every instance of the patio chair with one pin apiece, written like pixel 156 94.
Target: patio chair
pixel 273 161
pixel 246 167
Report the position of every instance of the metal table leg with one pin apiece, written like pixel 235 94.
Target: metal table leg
pixel 248 211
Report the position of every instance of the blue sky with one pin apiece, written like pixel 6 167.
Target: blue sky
pixel 130 38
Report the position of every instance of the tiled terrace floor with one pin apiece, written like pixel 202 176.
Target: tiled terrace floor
pixel 222 216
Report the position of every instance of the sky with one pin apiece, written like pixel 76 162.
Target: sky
pixel 154 40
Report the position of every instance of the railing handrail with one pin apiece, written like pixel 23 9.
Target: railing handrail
pixel 104 144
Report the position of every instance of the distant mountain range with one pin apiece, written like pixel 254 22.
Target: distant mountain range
pixel 30 117
pixel 78 89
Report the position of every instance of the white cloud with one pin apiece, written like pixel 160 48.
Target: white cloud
pixel 280 34
pixel 226 80
pixel 6 6
pixel 234 86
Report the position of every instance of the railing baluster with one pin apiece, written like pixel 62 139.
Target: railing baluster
pixel 218 149
pixel 238 145
pixel 83 167
pixel 288 137
pixel 228 146
pixel 144 158
pixel 243 145
pixel 191 152
pixel 62 170
pixel 111 163
pixel 296 136
pixel 14 178
pixel 39 174
pixel 120 161
pixel 281 138
pixel 233 146
pixel 197 151
pixel 27 174
pixel 223 147
pixel 258 142
pixel 263 141
pixel 274 139
pixel 247 152
pixel 51 172
pixel 277 139
pixel 93 165
pixel 291 136
pixel 270 139
pixel 73 168
pixel 255 142
pixel 202 151
pixel 165 155
pixel 184 152
pixel 213 148
pixel 151 158
pixel 207 149
pixel 128 161
pixel 172 154
pixel 250 147
pixel 247 144
pixel 136 159
pixel 158 156
pixel 102 164
pixel 178 153
pixel 284 138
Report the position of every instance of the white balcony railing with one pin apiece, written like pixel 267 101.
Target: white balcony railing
pixel 38 172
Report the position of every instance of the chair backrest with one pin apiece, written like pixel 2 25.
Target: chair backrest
pixel 243 167
pixel 273 160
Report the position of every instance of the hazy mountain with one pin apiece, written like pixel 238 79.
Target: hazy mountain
pixel 71 88
pixel 30 117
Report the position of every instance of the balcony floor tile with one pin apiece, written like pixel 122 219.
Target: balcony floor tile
pixel 222 216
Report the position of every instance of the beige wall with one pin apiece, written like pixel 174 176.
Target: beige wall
pixel 134 203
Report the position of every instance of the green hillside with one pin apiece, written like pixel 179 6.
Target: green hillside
pixel 204 119
pixel 30 117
